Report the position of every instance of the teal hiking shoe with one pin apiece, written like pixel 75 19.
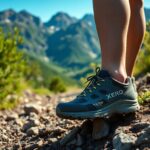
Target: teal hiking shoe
pixel 103 97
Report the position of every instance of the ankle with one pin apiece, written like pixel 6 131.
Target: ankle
pixel 118 74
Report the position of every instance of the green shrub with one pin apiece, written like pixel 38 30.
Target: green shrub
pixel 57 85
pixel 33 74
pixel 12 65
pixel 144 97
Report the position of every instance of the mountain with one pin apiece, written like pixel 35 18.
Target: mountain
pixel 6 14
pixel 68 41
pixel 74 42
pixel 31 29
pixel 89 18
pixel 74 46
pixel 60 20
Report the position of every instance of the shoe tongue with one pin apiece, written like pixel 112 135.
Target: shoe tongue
pixel 104 74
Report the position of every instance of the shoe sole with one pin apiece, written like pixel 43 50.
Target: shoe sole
pixel 119 107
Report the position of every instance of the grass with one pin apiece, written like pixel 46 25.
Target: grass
pixel 42 91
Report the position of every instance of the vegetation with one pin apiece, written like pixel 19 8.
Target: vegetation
pixel 12 65
pixel 144 97
pixel 143 64
pixel 20 70
pixel 143 60
pixel 57 85
pixel 44 72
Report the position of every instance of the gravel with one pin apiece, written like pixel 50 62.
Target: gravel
pixel 33 125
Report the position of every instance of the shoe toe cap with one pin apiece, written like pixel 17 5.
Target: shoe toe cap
pixel 71 107
pixel 60 107
pixel 65 107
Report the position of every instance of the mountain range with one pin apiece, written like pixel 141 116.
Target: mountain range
pixel 64 41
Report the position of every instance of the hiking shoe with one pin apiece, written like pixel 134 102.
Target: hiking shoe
pixel 102 97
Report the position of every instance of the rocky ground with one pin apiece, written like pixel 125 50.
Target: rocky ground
pixel 33 125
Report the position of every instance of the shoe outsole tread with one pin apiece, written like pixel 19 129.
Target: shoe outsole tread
pixel 124 109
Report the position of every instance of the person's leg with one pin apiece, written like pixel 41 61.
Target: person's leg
pixel 112 21
pixel 135 33
pixel 104 93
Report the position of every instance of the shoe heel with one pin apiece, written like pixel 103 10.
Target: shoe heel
pixel 128 108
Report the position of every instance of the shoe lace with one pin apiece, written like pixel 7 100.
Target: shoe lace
pixel 92 80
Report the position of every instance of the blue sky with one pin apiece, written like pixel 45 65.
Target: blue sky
pixel 46 8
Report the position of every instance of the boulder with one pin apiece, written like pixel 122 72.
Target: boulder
pixel 69 136
pixel 100 129
pixel 144 137
pixel 123 141
pixel 32 131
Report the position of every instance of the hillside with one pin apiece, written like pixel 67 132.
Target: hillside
pixel 48 70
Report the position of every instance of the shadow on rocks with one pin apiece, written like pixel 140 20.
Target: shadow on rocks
pixel 93 135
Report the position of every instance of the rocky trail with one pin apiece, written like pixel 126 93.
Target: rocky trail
pixel 33 125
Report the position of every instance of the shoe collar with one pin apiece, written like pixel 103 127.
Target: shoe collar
pixel 103 73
